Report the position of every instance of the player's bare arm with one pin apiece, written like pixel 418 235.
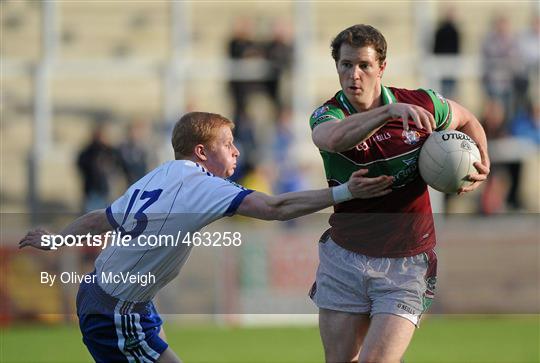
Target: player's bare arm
pixel 463 120
pixel 94 223
pixel 295 204
pixel 342 135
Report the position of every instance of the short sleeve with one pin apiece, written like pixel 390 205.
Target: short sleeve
pixel 325 113
pixel 228 196
pixel 207 193
pixel 441 109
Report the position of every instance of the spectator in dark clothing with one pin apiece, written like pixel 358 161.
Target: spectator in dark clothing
pixel 527 72
pixel 499 50
pixel 134 153
pixel 502 190
pixel 96 163
pixel 279 54
pixel 242 46
pixel 447 43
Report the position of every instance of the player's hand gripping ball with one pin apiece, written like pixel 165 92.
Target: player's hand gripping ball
pixel 446 158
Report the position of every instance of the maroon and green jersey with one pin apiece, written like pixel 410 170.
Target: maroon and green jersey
pixel 398 224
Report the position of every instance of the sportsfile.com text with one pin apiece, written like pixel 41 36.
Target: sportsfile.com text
pixel 114 238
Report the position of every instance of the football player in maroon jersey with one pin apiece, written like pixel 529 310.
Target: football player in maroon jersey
pixel 377 271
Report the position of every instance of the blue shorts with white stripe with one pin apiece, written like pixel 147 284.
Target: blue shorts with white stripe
pixel 118 331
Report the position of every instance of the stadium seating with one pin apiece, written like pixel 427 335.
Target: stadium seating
pixel 94 36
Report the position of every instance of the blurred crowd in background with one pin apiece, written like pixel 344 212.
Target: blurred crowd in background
pixel 265 163
pixel 510 62
pixel 509 108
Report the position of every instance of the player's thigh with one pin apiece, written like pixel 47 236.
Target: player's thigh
pixel 162 333
pixel 168 356
pixel 342 334
pixel 387 339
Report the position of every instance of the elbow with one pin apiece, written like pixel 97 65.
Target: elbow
pixel 282 216
pixel 334 142
pixel 92 219
pixel 328 140
pixel 98 222
pixel 277 212
pixel 332 146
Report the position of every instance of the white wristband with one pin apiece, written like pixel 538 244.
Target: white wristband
pixel 341 193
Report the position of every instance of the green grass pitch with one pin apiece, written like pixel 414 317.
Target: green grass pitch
pixel 471 339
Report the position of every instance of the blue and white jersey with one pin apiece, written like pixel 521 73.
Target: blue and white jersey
pixel 177 198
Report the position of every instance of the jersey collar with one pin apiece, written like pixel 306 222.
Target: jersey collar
pixel 386 94
pixel 344 102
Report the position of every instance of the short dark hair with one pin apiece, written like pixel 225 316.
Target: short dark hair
pixel 196 128
pixel 358 36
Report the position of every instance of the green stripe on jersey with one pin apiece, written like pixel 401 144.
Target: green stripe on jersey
pixel 404 167
pixel 387 96
pixel 441 107
pixel 344 101
pixel 330 112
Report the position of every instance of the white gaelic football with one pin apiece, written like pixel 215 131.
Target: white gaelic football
pixel 446 159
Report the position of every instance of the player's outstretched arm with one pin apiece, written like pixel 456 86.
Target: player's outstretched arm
pixel 94 223
pixel 343 135
pixel 291 205
pixel 463 120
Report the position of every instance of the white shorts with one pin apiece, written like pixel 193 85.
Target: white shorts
pixel 352 282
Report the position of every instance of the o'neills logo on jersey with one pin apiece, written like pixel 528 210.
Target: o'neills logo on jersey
pixel 382 137
pixel 456 136
pixel 410 137
pixel 408 173
pixel 407 308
